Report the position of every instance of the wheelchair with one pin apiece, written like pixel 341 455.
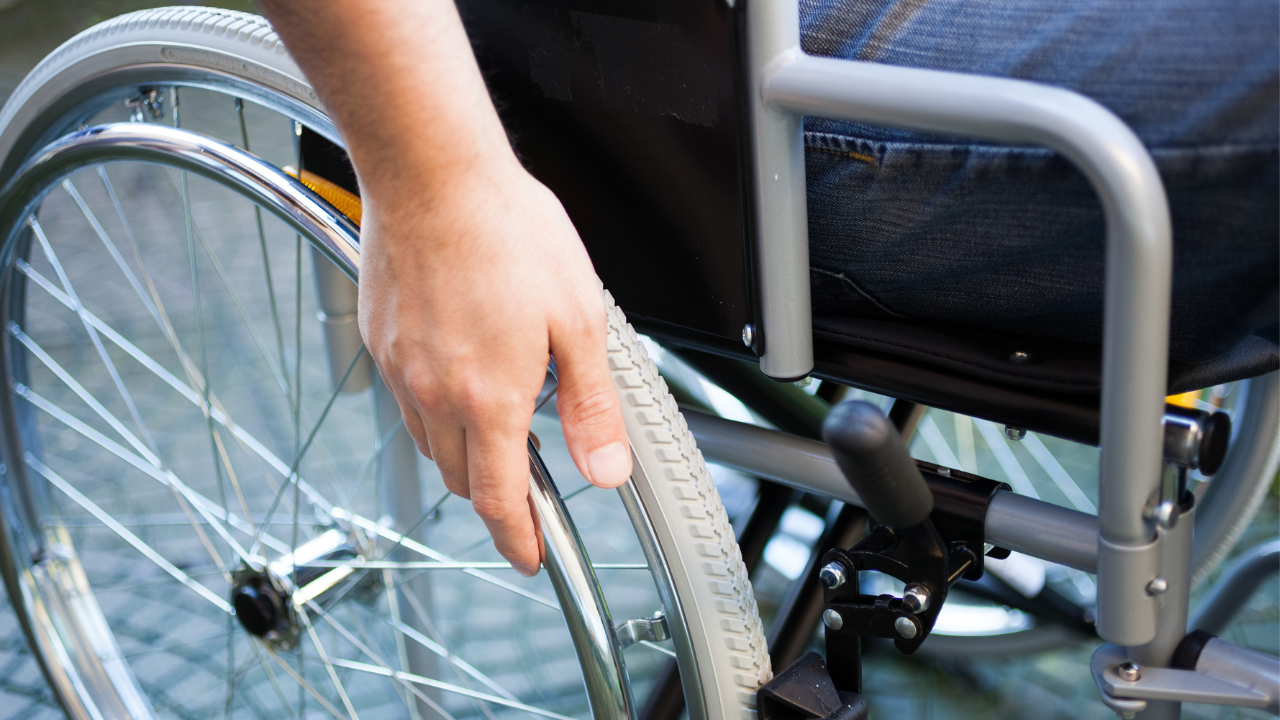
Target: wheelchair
pixel 210 505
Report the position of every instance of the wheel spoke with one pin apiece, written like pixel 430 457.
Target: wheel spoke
pixel 304 685
pixel 71 190
pixel 389 534
pixel 414 526
pixel 219 414
pixel 93 333
pixel 207 508
pixel 383 667
pixel 964 442
pixel 230 678
pixel 292 475
pixel 459 667
pixel 446 565
pixel 449 688
pixel 221 272
pixel 119 427
pixel 262 242
pixel 124 533
pixel 271 676
pixel 372 460
pixel 937 444
pixel 167 648
pixel 1004 455
pixel 1058 474
pixel 328 666
pixel 454 660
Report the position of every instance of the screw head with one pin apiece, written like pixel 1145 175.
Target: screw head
pixel 805 381
pixel 748 334
pixel 832 575
pixel 1014 433
pixel 832 619
pixel 905 628
pixel 1165 514
pixel 1129 671
pixel 1157 586
pixel 1019 358
pixel 916 598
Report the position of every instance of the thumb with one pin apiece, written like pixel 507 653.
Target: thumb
pixel 590 411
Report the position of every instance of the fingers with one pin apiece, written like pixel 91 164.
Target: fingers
pixel 498 468
pixel 448 444
pixel 588 404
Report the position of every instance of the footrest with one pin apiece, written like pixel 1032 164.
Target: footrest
pixel 804 691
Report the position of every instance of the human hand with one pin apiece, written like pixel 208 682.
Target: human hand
pixel 465 290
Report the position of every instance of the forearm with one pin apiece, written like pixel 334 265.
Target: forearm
pixel 401 83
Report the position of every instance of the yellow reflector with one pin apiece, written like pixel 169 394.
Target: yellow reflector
pixel 346 203
pixel 1186 399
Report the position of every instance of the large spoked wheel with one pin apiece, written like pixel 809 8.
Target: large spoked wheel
pixel 208 504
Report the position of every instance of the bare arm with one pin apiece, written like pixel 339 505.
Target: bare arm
pixel 471 273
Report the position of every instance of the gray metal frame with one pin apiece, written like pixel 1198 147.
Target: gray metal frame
pixel 786 84
pixel 1122 544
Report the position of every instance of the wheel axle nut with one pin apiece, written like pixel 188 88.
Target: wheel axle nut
pixel 832 575
pixel 916 598
pixel 1129 671
pixel 832 619
pixel 905 628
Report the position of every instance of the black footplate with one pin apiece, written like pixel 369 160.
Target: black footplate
pixel 804 691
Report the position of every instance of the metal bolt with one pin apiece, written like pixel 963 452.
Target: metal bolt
pixel 1020 358
pixel 832 575
pixel 1129 671
pixel 832 619
pixel 906 629
pixel 748 334
pixel 805 381
pixel 1157 586
pixel 1126 714
pixel 1165 514
pixel 916 598
pixel 1014 433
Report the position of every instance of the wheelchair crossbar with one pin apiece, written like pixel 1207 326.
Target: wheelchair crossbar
pixel 1034 527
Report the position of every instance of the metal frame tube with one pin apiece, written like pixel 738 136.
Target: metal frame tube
pixel 792 84
pixel 1017 522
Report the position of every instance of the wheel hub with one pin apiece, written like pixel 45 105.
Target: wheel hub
pixel 264 609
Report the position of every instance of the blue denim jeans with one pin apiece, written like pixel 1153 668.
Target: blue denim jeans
pixel 948 232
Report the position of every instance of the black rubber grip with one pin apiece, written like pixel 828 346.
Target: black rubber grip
pixel 875 461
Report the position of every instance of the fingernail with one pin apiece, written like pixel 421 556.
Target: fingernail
pixel 610 466
pixel 525 570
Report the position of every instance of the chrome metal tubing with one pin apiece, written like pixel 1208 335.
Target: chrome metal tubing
pixel 686 661
pixel 1138 263
pixel 585 612
pixel 1237 585
pixel 1017 522
pixel 205 156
